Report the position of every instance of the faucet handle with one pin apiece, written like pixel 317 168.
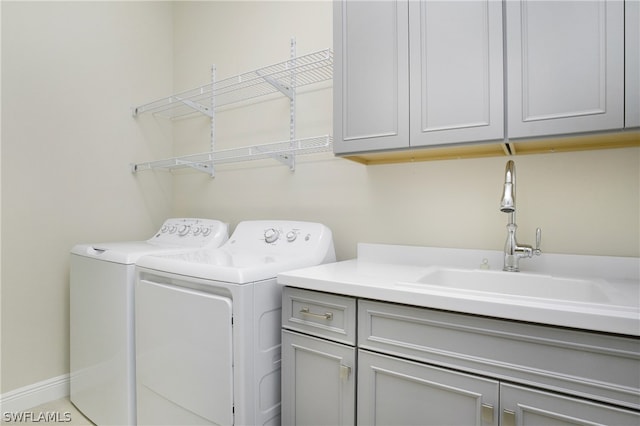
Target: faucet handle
pixel 537 250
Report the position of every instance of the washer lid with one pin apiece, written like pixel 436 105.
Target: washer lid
pixel 176 235
pixel 124 252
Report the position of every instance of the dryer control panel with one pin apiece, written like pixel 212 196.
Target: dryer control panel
pixel 191 232
pixel 282 237
pixel 273 235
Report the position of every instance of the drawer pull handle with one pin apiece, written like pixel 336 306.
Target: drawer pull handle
pixel 326 316
pixel 487 414
pixel 345 371
pixel 508 417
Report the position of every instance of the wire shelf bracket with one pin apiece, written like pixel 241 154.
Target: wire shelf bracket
pixel 196 106
pixel 285 90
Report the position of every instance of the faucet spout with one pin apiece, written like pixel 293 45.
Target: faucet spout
pixel 513 252
pixel 508 202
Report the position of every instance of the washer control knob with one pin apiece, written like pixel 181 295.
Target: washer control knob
pixel 172 229
pixel 291 236
pixel 183 230
pixel 196 231
pixel 164 229
pixel 206 232
pixel 271 235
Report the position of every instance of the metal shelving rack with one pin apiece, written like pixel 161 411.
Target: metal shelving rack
pixel 283 77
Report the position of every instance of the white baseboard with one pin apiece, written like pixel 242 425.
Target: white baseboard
pixel 35 394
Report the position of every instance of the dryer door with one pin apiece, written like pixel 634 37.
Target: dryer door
pixel 183 356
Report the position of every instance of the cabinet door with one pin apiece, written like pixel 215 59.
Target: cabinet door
pixel 632 63
pixel 371 73
pixel 393 391
pixel 318 381
pixel 456 69
pixel 524 406
pixel 565 66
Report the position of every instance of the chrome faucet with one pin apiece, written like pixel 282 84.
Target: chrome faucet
pixel 512 251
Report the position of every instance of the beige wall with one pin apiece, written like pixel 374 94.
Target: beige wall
pixel 586 203
pixel 69 75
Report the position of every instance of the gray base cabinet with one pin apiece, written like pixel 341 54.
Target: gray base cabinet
pixel 318 358
pixel 418 366
pixel 318 381
pixel 394 391
pixel 527 406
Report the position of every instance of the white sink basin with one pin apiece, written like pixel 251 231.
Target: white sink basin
pixel 595 293
pixel 516 284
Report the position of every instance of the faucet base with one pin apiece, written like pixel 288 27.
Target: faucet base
pixel 511 263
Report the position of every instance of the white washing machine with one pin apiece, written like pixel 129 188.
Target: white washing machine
pixel 208 325
pixel 102 358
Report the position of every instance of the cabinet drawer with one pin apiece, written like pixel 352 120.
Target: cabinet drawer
pixel 320 314
pixel 592 365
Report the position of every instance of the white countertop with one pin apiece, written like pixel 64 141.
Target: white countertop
pixel 379 271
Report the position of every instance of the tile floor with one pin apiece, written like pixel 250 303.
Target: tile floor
pixel 61 409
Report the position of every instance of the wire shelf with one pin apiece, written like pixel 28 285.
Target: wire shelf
pixel 282 77
pixel 284 151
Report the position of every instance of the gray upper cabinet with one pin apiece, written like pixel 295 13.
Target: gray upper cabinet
pixel 435 73
pixel 565 66
pixel 441 58
pixel 632 64
pixel 371 86
pixel 456 68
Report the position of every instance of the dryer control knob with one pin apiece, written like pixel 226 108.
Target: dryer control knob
pixel 183 230
pixel 206 232
pixel 271 235
pixel 291 236
pixel 196 231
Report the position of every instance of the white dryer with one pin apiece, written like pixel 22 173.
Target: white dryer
pixel 208 325
pixel 102 358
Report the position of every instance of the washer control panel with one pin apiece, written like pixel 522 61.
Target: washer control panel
pixel 191 232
